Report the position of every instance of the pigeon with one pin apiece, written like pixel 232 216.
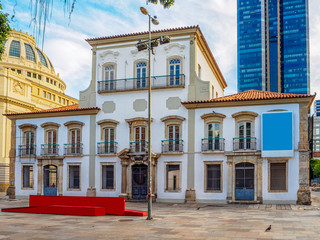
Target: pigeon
pixel 268 229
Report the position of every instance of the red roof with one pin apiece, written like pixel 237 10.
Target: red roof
pixel 142 33
pixel 69 108
pixel 252 95
pixel 316 154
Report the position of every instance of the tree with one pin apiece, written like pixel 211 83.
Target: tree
pixel 4 29
pixel 164 3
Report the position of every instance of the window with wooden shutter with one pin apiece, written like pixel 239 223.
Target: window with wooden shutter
pixel 278 176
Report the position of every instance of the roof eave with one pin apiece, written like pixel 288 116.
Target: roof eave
pixel 73 112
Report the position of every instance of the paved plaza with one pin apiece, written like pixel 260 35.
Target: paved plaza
pixel 171 221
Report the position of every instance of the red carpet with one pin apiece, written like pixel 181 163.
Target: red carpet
pixel 81 206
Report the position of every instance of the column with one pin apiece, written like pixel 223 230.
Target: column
pixel 91 191
pixel 229 179
pixel 124 180
pixel 40 178
pixel 303 194
pixel 60 178
pixel 11 191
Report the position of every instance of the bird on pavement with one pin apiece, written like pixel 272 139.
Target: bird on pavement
pixel 268 229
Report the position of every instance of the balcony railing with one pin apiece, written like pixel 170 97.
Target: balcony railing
pixel 166 81
pixel 27 150
pixel 243 144
pixel 73 149
pixel 212 144
pixel 50 149
pixel 172 146
pixel 107 147
pixel 139 147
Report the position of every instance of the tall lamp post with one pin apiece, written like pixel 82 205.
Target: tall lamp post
pixel 155 22
pixel 142 45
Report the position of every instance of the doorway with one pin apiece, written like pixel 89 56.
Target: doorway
pixel 139 181
pixel 244 186
pixel 50 180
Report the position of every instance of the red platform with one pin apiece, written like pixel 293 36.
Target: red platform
pixel 81 206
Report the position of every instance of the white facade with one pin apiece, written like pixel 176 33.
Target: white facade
pixel 189 161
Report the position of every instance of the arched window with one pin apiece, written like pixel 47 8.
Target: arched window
pixel 42 58
pixel 14 49
pixel 29 52
pixel 141 74
pixel 245 137
pixel 174 71
pixel 109 77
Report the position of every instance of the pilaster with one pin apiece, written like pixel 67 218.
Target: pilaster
pixel 303 194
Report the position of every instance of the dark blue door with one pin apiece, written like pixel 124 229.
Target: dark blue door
pixel 139 181
pixel 50 180
pixel 244 181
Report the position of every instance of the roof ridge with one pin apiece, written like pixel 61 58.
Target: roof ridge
pixel 142 33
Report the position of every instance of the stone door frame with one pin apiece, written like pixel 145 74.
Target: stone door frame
pixel 58 162
pixel 256 160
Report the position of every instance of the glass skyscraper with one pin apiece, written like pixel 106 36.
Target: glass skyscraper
pixel 273 46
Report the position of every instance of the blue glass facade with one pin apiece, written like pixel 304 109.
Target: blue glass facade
pixel 273 46
pixel 317 108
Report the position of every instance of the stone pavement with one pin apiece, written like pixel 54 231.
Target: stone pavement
pixel 171 221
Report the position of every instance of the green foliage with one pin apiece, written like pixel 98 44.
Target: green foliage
pixel 315 167
pixel 164 3
pixel 316 170
pixel 4 29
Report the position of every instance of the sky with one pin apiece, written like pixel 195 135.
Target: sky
pixel 70 54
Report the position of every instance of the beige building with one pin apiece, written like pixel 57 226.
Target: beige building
pixel 28 82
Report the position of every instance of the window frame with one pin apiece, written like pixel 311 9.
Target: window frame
pixel 108 124
pixel 135 73
pixel 68 176
pixel 205 187
pixel 179 189
pixel 114 176
pixel 168 70
pixel 29 128
pixel 269 175
pixel 113 81
pixel 173 120
pixel 22 177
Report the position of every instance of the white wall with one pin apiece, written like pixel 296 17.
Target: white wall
pixel 229 129
pixel 207 74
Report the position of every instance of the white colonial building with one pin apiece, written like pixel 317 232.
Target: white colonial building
pixel 205 147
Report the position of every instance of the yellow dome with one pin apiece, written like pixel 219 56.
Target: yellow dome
pixel 23 46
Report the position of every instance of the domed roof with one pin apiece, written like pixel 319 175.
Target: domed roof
pixel 21 44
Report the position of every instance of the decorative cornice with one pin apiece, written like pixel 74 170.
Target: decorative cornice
pixel 107 121
pixel 74 123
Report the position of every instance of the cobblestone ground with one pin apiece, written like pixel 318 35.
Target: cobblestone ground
pixel 171 221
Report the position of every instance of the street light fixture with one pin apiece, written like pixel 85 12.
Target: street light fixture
pixel 142 45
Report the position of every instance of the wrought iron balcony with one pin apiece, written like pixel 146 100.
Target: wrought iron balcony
pixel 139 147
pixel 107 147
pixel 244 144
pixel 212 144
pixel 73 149
pixel 50 149
pixel 166 81
pixel 172 146
pixel 27 150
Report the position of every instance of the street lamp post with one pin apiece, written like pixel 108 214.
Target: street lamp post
pixel 141 45
pixel 155 22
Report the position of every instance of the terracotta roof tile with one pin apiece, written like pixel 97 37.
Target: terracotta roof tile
pixel 69 108
pixel 252 95
pixel 142 33
pixel 316 154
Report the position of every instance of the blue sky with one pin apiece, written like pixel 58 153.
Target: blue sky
pixel 70 54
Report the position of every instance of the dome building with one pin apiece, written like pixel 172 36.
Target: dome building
pixel 28 83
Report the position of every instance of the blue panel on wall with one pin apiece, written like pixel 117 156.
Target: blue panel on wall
pixel 277 131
